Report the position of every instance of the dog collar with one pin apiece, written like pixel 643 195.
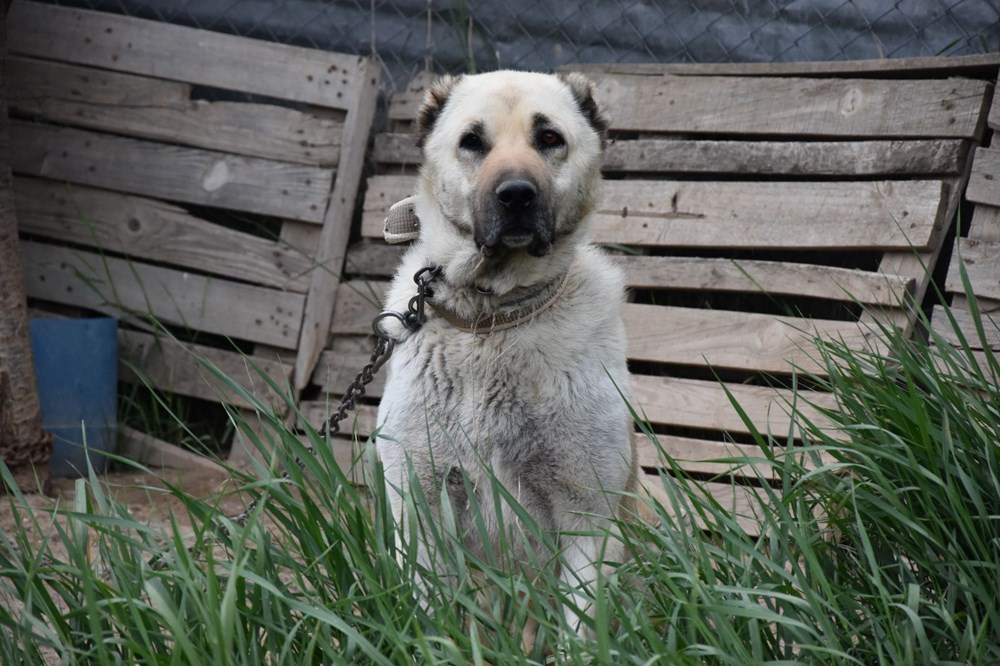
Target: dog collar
pixel 403 225
pixel 518 307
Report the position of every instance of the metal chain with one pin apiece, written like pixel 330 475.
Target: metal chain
pixel 412 320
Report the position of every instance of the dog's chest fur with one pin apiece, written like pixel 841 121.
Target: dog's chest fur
pixel 536 405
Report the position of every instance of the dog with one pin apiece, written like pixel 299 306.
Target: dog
pixel 519 371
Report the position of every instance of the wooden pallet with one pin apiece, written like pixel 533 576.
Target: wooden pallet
pixel 757 212
pixel 977 249
pixel 202 179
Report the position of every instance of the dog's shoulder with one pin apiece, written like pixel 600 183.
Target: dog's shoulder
pixel 601 280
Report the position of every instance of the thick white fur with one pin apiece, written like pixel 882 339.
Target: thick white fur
pixel 538 405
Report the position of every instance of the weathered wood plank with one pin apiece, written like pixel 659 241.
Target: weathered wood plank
pixel 788 158
pixel 771 277
pixel 985 223
pixel 373 257
pixel 815 215
pixel 716 457
pixel 151 229
pixel 163 50
pixel 358 301
pixel 170 365
pixel 966 324
pixel 993 120
pixel 403 104
pixel 748 105
pixel 931 66
pixel 794 158
pixel 693 403
pixel 337 222
pixel 794 107
pixel 335 371
pixel 818 215
pixel 170 172
pixel 148 450
pixel 732 339
pixel 984 181
pixel 982 265
pixel 126 288
pixel 164 111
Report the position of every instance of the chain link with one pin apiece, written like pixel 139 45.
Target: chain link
pixel 412 320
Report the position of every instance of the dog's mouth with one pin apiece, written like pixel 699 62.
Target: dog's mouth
pixel 513 218
pixel 502 244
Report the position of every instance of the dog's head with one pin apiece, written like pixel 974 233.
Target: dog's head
pixel 511 162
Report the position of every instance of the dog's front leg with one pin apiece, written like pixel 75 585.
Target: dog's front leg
pixel 581 562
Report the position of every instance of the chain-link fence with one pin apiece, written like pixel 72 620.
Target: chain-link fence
pixel 466 35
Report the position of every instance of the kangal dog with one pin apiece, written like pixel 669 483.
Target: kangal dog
pixel 519 370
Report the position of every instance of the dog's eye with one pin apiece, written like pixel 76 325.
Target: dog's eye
pixel 471 141
pixel 550 139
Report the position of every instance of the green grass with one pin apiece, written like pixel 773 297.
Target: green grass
pixel 880 544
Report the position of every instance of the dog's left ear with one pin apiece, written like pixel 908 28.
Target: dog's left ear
pixel 583 91
pixel 431 107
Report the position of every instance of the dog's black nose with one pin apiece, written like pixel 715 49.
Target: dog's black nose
pixel 516 194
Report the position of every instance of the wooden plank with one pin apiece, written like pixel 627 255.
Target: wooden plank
pixel 930 66
pixel 172 366
pixel 816 215
pixel 132 289
pixel 771 277
pixel 148 450
pixel 397 148
pixel 151 229
pixel 993 120
pixel 404 103
pixel 163 50
pixel 335 371
pixel 795 158
pixel 794 107
pixel 373 257
pixel 984 181
pixel 693 403
pixel 337 223
pixel 732 339
pixel 788 158
pixel 966 324
pixel 705 456
pixel 164 111
pixel 381 193
pixel 358 301
pixel 744 504
pixel 698 214
pixel 170 172
pixel 985 223
pixel 982 265
pixel 360 423
pixel 747 105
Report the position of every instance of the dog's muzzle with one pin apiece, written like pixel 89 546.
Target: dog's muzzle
pixel 514 219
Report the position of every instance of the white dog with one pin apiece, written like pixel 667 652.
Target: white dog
pixel 520 367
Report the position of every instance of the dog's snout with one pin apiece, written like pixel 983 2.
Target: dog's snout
pixel 516 194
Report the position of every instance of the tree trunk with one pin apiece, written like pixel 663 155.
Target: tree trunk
pixel 23 443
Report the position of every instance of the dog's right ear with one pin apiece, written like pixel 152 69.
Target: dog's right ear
pixel 434 101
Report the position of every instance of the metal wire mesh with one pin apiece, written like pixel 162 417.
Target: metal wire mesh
pixel 467 35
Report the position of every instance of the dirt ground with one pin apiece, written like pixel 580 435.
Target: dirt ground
pixel 143 494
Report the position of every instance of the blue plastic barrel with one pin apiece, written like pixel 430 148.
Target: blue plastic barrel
pixel 76 367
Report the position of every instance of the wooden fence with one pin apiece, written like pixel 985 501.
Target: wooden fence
pixel 203 180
